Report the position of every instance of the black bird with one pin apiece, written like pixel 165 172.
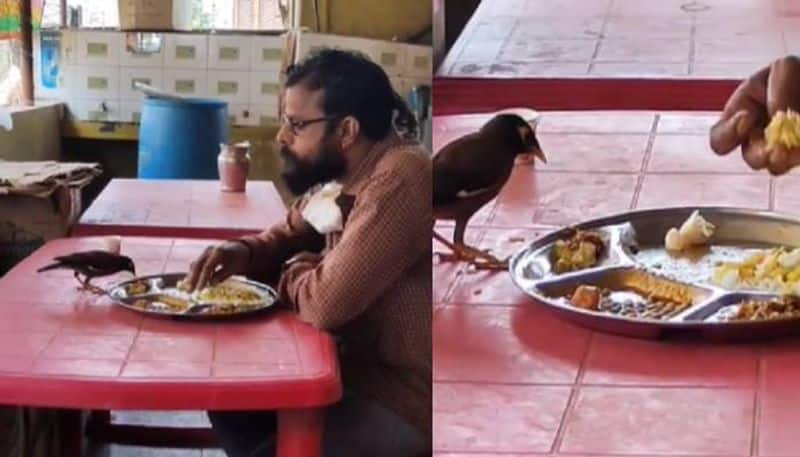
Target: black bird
pixel 470 171
pixel 92 264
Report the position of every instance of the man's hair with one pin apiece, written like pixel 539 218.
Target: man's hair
pixel 355 86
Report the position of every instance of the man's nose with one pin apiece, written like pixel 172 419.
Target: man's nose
pixel 284 135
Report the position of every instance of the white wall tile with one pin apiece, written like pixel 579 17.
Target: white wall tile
pixel 88 81
pixel 183 50
pixel 266 53
pixel 390 56
pixel 264 87
pixel 264 114
pixel 98 48
pixel 229 52
pixel 231 86
pixel 419 61
pixel 97 110
pixel 130 59
pixel 130 111
pixel 193 83
pixel 147 75
pixel 242 114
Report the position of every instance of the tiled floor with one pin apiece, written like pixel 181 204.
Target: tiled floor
pixel 165 418
pixel 511 379
pixel 625 38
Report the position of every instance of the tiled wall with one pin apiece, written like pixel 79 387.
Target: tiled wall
pixel 96 72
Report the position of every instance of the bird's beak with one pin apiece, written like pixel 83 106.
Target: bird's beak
pixel 537 152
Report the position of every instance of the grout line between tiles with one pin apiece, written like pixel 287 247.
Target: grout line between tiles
pixel 708 387
pixel 772 185
pixel 573 397
pixel 692 44
pixel 600 37
pixel 658 173
pixel 503 46
pixel 462 268
pixel 648 152
pixel 757 404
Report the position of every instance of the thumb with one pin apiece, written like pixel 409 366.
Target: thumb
pixel 729 133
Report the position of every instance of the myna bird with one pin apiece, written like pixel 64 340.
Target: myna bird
pixel 92 264
pixel 470 171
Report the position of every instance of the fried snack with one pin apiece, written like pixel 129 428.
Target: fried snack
pixel 586 297
pixel 628 302
pixel 137 288
pixel 659 290
pixel 580 251
pixel 695 231
pixel 759 310
pixel 783 130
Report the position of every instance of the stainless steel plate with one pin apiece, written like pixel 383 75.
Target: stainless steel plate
pixel 636 246
pixel 163 289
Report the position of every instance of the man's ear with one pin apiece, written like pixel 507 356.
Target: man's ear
pixel 349 129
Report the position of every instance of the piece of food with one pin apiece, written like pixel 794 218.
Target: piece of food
pixel 229 293
pixel 630 302
pixel 137 288
pixel 586 297
pixel 783 130
pixel 580 251
pixel 695 231
pixel 774 270
pixel 182 285
pixel 673 240
pixel 787 307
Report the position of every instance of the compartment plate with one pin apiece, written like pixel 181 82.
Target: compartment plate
pixel 636 244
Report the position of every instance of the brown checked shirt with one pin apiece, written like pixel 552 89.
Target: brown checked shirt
pixel 372 287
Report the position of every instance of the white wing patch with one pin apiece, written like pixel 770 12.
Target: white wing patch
pixel 471 193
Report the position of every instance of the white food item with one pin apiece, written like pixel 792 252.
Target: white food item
pixel 695 231
pixel 729 279
pixel 673 240
pixel 790 259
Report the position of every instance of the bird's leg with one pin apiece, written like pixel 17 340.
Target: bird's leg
pixel 85 285
pixel 480 259
pixel 78 278
pixel 461 252
pixel 458 252
pixel 94 289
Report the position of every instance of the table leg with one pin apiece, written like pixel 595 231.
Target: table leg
pixel 300 432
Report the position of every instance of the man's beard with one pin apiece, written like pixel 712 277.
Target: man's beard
pixel 299 175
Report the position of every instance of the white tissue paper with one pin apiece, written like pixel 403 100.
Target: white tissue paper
pixel 322 212
pixel 6 121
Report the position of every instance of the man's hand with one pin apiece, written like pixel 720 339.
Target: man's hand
pixel 751 107
pixel 218 263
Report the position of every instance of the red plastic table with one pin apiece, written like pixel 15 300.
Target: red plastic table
pixel 186 208
pixel 512 379
pixel 63 348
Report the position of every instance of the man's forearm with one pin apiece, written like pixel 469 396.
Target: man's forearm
pixel 272 247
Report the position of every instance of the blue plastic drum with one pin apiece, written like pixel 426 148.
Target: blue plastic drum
pixel 179 139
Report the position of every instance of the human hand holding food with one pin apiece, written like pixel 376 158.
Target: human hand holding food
pixel 216 264
pixel 761 117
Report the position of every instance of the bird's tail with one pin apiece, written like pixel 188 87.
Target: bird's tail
pixel 52 266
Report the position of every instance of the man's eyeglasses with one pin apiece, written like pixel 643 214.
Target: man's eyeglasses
pixel 295 125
